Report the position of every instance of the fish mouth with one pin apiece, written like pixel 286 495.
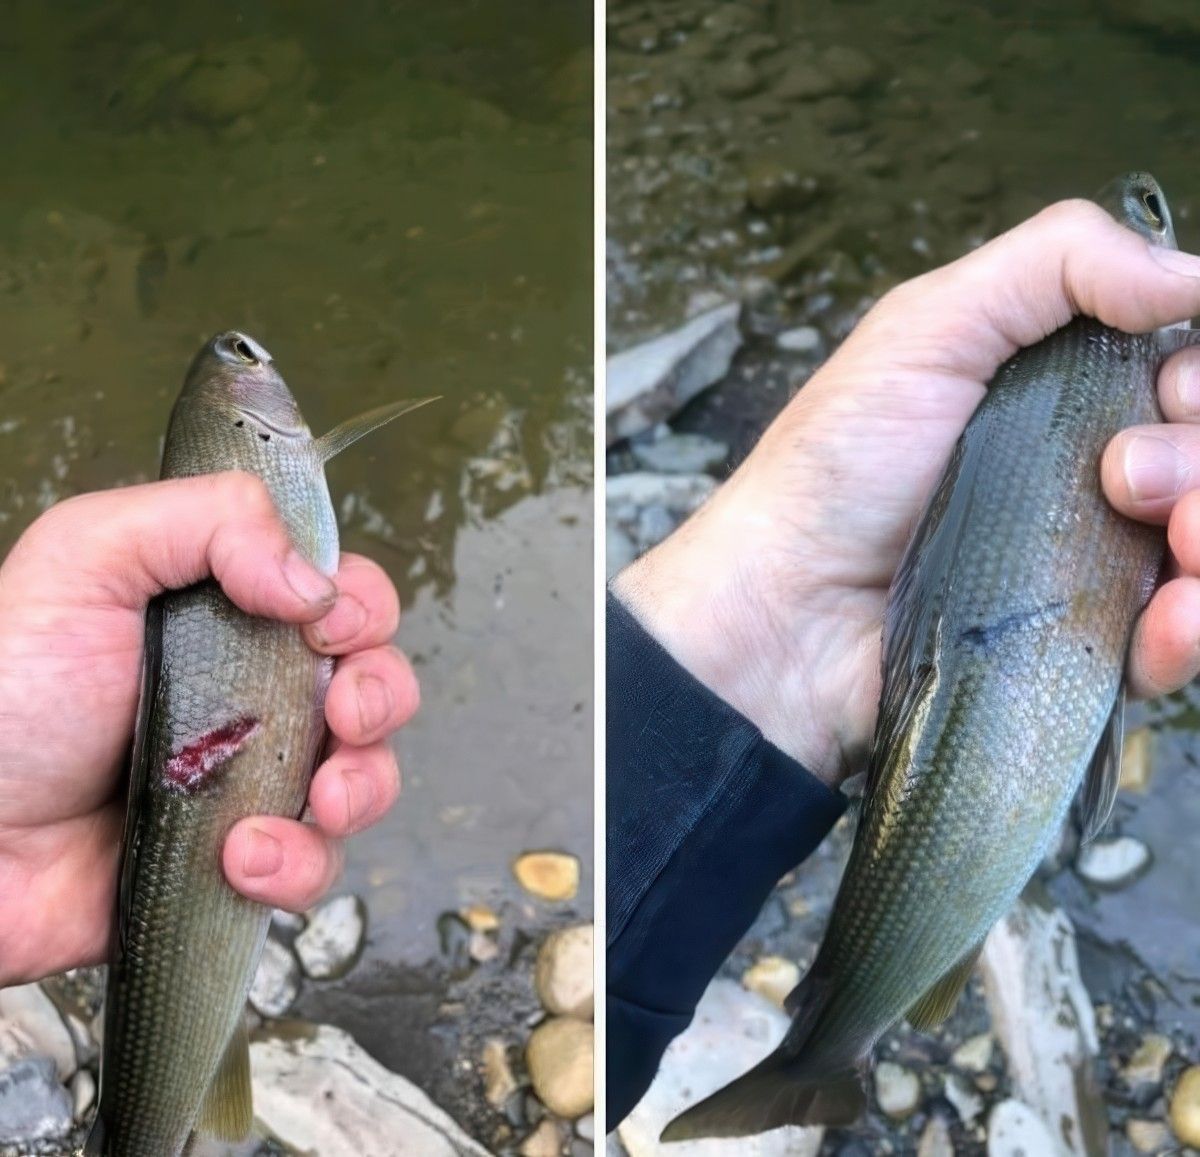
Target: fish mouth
pixel 295 432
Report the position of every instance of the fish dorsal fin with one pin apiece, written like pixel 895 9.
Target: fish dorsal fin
pixel 912 620
pixel 938 1003
pixel 1099 791
pixel 228 1109
pixel 354 428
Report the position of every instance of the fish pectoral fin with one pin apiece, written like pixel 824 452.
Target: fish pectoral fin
pixel 354 428
pixel 1099 792
pixel 228 1109
pixel 938 1003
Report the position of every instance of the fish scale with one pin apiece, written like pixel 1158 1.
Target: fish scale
pixel 1004 647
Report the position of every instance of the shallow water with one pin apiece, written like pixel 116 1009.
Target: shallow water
pixel 395 200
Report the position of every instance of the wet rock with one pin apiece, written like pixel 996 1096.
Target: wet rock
pixel 498 1081
pixel 839 114
pixel 544 1141
pixel 772 977
pixel 776 186
pixel 681 454
pixel 1145 1067
pixel 619 550
pixel 804 339
pixel 974 1054
pixel 1185 1107
pixel 1137 760
pixel 852 70
pixel 480 918
pixel 31 1025
pixel 33 1104
pixel 1166 18
pixel 548 875
pixel 736 79
pixel 218 92
pixel 967 1103
pixel 329 946
pixel 561 1065
pixel 1113 863
pixel 1042 1016
pixel 1147 1136
pixel 650 382
pixel 277 980
pixel 806 80
pixel 897 1090
pixel 732 1030
pixel 1015 1130
pixel 316 1091
pixel 83 1093
pixel 563 973
pixel 935 1140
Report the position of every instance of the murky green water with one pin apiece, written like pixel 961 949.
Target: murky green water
pixel 395 198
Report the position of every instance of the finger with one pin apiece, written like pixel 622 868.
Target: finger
pixel 127 545
pixel 281 862
pixel 371 694
pixel 1072 258
pixel 1165 652
pixel 1179 386
pixel 367 611
pixel 1144 470
pixel 354 788
pixel 1183 533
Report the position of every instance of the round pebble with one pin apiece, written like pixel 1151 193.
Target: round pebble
pixel 897 1089
pixel 563 973
pixel 1113 863
pixel 1185 1106
pixel 772 977
pixel 548 875
pixel 561 1067
pixel 1147 1136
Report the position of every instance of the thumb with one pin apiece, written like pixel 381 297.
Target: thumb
pixel 122 547
pixel 968 317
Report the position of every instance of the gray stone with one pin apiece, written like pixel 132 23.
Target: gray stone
pixel 1113 863
pixel 33 1104
pixel 651 381
pixel 318 1092
pixel 586 1127
pixel 654 523
pixel 681 454
pixel 31 1025
pixel 276 981
pixel 679 493
pixel 731 1031
pixel 967 1103
pixel 804 339
pixel 329 945
pixel 1015 1130
pixel 619 550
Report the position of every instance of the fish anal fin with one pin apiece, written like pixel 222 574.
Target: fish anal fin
pixel 938 1003
pixel 228 1109
pixel 354 428
pixel 1099 792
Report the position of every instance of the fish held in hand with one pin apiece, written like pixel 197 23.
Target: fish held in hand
pixel 230 724
pixel 1004 642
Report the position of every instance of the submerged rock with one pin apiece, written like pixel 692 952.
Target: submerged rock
pixel 563 973
pixel 33 1104
pixel 330 944
pixel 562 1065
pixel 548 875
pixel 276 981
pixel 733 1030
pixel 319 1092
pixel 650 382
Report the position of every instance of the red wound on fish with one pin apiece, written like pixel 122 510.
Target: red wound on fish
pixel 190 768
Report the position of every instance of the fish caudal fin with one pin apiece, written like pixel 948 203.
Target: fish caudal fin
pixel 354 428
pixel 228 1109
pixel 767 1097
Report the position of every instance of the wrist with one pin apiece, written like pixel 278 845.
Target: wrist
pixel 712 596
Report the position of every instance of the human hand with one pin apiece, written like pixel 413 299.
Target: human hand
pixel 773 593
pixel 73 595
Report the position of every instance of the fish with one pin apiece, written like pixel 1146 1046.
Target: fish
pixel 230 724
pixel 1005 636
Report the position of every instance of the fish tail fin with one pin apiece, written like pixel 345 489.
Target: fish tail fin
pixel 95 1145
pixel 786 1088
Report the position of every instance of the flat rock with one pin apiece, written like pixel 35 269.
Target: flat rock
pixel 733 1030
pixel 1043 1018
pixel 897 1089
pixel 1185 1106
pixel 652 381
pixel 681 454
pixel 1015 1130
pixel 1113 863
pixel 563 973
pixel 329 945
pixel 772 977
pixel 974 1054
pixel 316 1091
pixel 276 980
pixel 560 1056
pixel 31 1025
pixel 33 1104
pixel 548 875
pixel 1147 1136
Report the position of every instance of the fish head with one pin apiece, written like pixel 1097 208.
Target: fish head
pixel 1137 201
pixel 232 372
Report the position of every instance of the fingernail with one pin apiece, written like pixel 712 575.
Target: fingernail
pixel 374 702
pixel 1154 468
pixel 347 618
pixel 1187 386
pixel 306 581
pixel 360 797
pixel 1175 261
pixel 263 855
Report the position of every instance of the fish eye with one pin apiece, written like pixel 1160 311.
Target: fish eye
pixel 242 348
pixel 1153 207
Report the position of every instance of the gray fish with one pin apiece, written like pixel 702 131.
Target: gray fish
pixel 1005 639
pixel 231 724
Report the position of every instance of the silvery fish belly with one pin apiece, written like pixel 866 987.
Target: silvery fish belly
pixel 231 724
pixel 1005 640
